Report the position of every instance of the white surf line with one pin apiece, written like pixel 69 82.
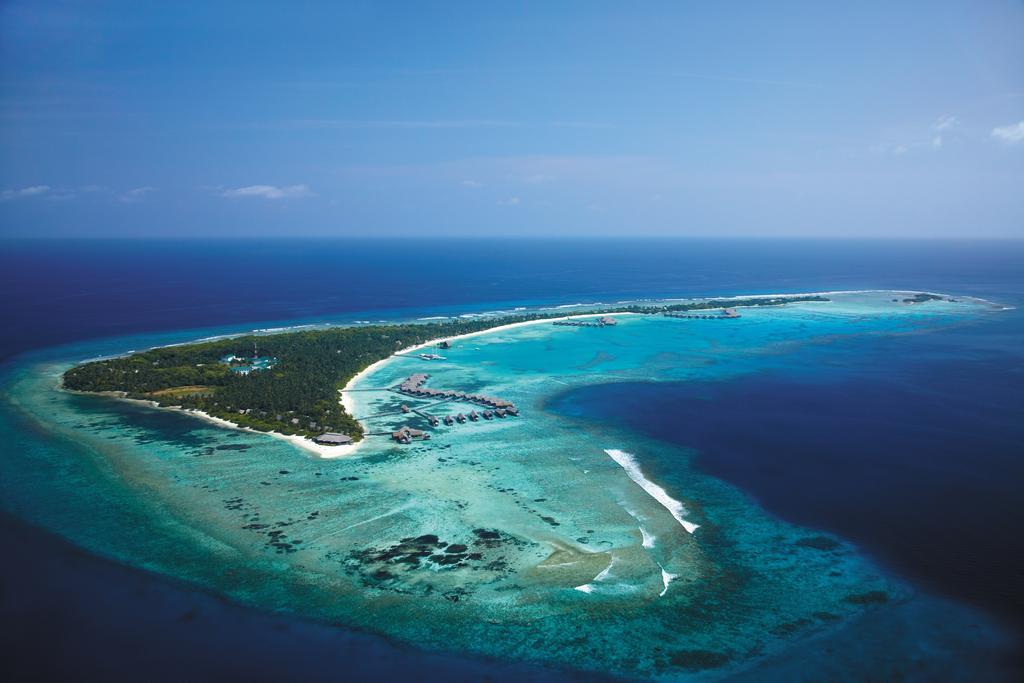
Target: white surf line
pixel 659 494
pixel 647 538
pixel 589 587
pixel 666 579
pixel 648 542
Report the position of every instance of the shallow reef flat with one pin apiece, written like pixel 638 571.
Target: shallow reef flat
pixel 540 537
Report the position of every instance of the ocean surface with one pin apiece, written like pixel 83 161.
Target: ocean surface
pixel 853 469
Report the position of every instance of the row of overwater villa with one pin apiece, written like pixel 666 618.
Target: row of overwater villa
pixel 413 386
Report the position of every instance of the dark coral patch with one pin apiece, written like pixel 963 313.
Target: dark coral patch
pixel 818 543
pixel 869 598
pixel 699 660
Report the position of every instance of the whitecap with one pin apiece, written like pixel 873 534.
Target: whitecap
pixel 666 579
pixel 646 537
pixel 674 507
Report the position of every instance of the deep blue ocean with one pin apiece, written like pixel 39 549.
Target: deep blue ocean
pixel 911 447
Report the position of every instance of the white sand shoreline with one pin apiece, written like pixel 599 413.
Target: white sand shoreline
pixel 330 452
pixel 326 452
pixel 349 386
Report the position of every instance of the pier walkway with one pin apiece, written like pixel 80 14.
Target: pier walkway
pixel 413 386
pixel 726 314
pixel 592 322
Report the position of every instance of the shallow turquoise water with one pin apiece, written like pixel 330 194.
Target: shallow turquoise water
pixel 538 498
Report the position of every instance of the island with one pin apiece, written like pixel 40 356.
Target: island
pixel 288 382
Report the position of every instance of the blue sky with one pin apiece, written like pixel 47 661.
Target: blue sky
pixel 675 118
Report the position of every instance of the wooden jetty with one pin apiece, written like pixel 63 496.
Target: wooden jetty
pixel 604 321
pixel 413 386
pixel 726 314
pixel 432 419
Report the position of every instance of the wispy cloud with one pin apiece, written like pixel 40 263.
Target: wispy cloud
pixel 472 183
pixel 511 201
pixel 269 192
pixel 24 192
pixel 941 125
pixel 57 194
pixel 1011 134
pixel 135 195
pixel 936 133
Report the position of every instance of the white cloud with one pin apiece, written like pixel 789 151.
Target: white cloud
pixel 511 201
pixel 538 178
pixel 135 195
pixel 1011 134
pixel 269 191
pixel 942 124
pixel 32 191
pixel 472 183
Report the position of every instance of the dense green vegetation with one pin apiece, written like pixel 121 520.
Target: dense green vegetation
pixel 299 395
pixel 922 297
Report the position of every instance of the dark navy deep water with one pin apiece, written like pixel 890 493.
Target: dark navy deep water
pixel 911 448
pixel 908 446
pixel 61 291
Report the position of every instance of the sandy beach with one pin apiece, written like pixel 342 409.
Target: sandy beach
pixel 326 452
pixel 347 401
pixel 330 452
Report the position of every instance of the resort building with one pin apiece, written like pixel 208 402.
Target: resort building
pixel 413 386
pixel 333 439
pixel 405 435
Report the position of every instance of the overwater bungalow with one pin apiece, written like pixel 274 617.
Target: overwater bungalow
pixel 405 408
pixel 460 418
pixel 604 321
pixel 488 415
pixel 474 416
pixel 407 434
pixel 449 420
pixel 500 412
pixel 413 386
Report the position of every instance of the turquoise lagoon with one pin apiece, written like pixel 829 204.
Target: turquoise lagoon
pixel 541 538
